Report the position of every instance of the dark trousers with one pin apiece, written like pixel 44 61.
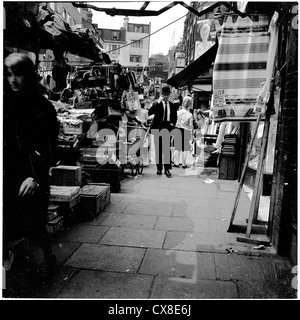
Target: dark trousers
pixel 162 151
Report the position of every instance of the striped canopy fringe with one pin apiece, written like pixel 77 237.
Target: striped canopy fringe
pixel 240 66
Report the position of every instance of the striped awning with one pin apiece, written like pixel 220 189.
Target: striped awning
pixel 240 66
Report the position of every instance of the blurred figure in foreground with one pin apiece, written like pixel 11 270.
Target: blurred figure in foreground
pixel 30 131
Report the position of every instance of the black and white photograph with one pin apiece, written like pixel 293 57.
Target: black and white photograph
pixel 149 153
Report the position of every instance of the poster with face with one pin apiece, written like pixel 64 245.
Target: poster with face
pixel 205 37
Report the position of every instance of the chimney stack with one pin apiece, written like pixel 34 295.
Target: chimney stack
pixel 126 19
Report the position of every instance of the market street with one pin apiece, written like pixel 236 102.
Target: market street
pixel 149 152
pixel 161 238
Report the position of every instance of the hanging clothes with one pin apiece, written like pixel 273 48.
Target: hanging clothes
pixel 240 66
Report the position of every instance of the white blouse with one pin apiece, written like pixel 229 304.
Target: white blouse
pixel 184 119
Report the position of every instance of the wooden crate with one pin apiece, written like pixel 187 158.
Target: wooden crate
pixel 94 197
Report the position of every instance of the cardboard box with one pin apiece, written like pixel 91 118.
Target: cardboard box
pixel 94 198
pixel 66 176
pixel 63 193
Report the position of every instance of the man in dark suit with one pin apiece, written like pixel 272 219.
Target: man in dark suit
pixel 165 117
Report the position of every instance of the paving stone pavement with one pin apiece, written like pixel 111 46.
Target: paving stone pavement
pixel 158 238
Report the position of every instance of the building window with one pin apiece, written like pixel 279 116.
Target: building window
pixel 135 58
pixel 115 35
pixel 114 49
pixel 137 44
pixel 130 28
pixel 138 28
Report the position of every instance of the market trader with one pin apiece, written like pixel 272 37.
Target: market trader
pixel 165 117
pixel 30 131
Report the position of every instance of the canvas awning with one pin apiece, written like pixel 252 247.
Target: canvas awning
pixel 202 87
pixel 47 30
pixel 194 69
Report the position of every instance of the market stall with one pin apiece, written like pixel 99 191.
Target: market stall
pixel 99 127
pixel 97 105
pixel 100 137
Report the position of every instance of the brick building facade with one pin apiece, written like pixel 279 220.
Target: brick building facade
pixel 283 207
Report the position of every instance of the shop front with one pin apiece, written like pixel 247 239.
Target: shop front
pixel 249 89
pixel 248 86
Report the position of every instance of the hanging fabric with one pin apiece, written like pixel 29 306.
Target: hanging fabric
pixel 141 79
pixel 240 66
pixel 132 101
pixel 124 81
pixel 132 79
pixel 264 94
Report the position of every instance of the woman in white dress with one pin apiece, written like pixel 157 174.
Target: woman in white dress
pixel 185 125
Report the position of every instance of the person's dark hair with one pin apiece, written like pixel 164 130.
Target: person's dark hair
pixel 21 64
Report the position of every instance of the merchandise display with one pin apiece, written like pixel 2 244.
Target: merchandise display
pixel 98 112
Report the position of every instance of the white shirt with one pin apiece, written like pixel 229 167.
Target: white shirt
pixel 168 110
pixel 184 119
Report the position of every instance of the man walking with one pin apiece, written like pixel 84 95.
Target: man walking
pixel 165 117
